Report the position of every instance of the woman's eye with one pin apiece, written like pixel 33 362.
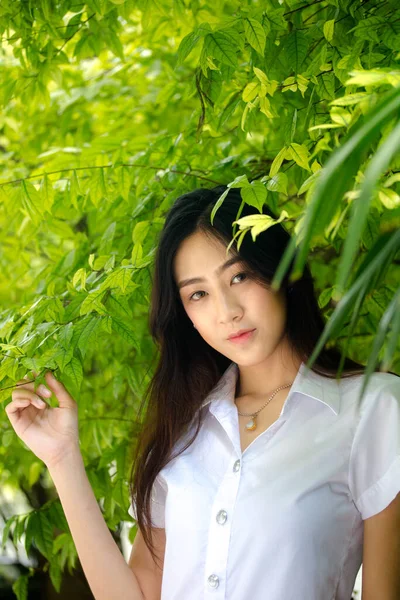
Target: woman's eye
pixel 238 275
pixel 201 292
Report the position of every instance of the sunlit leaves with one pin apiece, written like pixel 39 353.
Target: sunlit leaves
pixel 295 83
pixel 277 162
pixel 254 194
pixel 221 46
pixel 374 77
pixel 47 193
pixel 251 91
pixel 329 29
pixel 350 99
pixel 20 587
pixel 99 133
pixel 269 85
pixel 296 46
pixel 98 189
pixel 189 42
pixel 31 202
pixel 256 224
pixel 255 34
pixel 278 183
pixel 299 153
pixel 93 303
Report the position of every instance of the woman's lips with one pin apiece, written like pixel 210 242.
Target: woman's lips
pixel 240 339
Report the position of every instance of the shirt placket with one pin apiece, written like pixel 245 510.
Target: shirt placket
pixel 220 532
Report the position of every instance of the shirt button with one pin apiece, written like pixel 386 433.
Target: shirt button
pixel 236 466
pixel 222 515
pixel 213 581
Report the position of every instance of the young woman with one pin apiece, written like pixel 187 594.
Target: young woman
pixel 253 475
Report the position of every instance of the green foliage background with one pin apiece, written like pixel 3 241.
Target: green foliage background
pixel 110 109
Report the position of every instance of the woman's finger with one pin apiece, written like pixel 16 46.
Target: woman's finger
pixel 16 405
pixel 26 395
pixel 65 400
pixel 41 389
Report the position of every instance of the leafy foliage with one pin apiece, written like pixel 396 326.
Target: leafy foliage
pixel 110 110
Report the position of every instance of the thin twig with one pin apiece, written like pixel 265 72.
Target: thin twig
pixel 109 167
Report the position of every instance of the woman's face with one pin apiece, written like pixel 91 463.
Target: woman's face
pixel 227 300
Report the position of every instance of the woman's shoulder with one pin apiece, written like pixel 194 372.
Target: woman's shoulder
pixel 380 386
pixel 376 381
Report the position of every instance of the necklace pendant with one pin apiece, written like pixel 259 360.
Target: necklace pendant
pixel 251 425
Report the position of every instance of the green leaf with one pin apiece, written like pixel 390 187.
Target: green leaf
pixel 359 213
pixel 55 569
pixel 390 34
pixel 389 198
pixel 74 372
pixel 391 180
pixel 20 587
pixel 350 99
pixel 300 155
pixel 218 204
pixel 124 181
pixel 42 532
pixel 333 180
pixel 85 333
pixel 392 315
pixel 255 194
pixel 74 189
pixel 140 232
pixel 239 182
pixel 329 29
pixel 92 302
pixel 374 77
pixel 114 43
pixel 251 91
pixel 259 223
pixel 279 158
pixel 326 86
pixel 125 332
pixel 35 471
pixel 137 254
pixel 368 28
pixel 255 34
pixel 229 109
pixel 119 278
pixel 47 192
pixel 220 46
pixel 32 202
pixel 188 43
pixel 296 47
pixel 308 183
pixel 97 186
pixel 368 275
pixel 9 522
pixel 247 108
pixel 278 183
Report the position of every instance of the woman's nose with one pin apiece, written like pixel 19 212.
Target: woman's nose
pixel 227 308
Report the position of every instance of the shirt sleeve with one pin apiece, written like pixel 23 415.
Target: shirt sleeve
pixel 157 505
pixel 374 469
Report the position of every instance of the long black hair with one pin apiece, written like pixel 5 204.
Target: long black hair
pixel 187 367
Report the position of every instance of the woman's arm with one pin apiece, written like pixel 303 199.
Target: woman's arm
pixel 52 435
pixel 108 574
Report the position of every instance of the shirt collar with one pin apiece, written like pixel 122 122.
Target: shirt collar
pixel 307 382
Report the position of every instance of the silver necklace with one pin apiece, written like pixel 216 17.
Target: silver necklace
pixel 252 424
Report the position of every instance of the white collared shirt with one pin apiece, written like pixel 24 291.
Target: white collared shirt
pixel 283 520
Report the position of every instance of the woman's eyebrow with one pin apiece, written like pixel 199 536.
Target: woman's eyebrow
pixel 218 270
